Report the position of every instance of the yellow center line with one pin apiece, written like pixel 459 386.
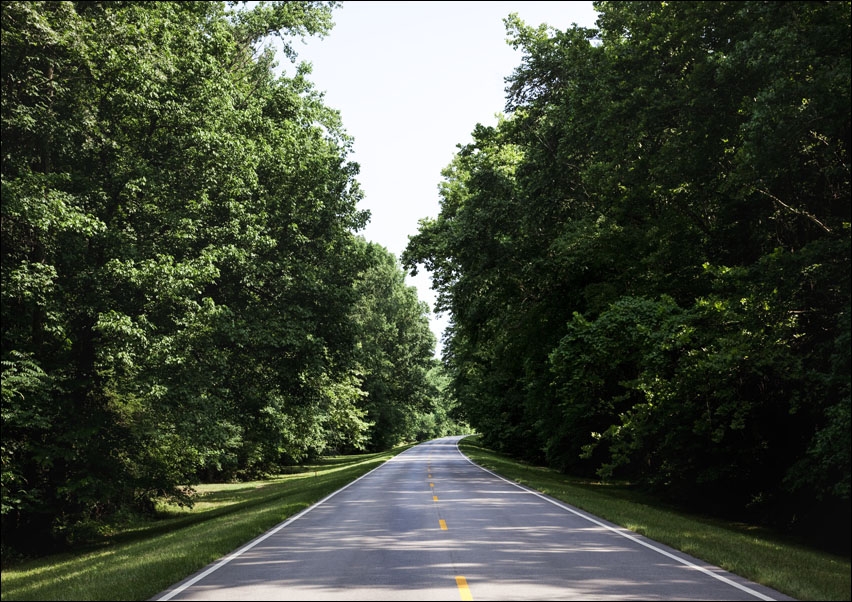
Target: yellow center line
pixel 443 524
pixel 464 590
pixel 431 484
pixel 435 497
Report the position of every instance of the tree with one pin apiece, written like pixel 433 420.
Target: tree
pixel 646 263
pixel 178 257
pixel 395 349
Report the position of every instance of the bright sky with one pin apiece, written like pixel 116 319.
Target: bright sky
pixel 411 81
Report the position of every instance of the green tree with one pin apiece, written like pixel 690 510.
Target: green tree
pixel 646 263
pixel 394 350
pixel 178 256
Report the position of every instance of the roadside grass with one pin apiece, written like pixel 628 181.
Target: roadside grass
pixel 144 559
pixel 754 553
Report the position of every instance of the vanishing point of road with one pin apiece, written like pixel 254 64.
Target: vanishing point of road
pixel 431 525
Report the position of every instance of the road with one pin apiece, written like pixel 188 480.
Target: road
pixel 431 525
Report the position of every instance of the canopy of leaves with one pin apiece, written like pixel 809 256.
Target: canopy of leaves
pixel 647 262
pixel 184 296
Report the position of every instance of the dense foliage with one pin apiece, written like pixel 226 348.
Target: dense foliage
pixel 647 261
pixel 184 295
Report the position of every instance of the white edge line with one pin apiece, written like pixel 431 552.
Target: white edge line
pixel 171 594
pixel 722 578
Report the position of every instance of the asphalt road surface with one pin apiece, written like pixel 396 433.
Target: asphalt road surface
pixel 431 525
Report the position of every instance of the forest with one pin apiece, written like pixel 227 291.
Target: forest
pixel 646 262
pixel 185 295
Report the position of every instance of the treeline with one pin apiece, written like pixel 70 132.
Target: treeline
pixel 647 261
pixel 185 296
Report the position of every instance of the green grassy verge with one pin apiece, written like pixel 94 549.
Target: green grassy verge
pixel 141 560
pixel 756 554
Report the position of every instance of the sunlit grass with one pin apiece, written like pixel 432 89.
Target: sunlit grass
pixel 751 552
pixel 145 559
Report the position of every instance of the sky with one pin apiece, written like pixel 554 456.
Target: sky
pixel 411 81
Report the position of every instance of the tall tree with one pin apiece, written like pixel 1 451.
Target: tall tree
pixel 646 263
pixel 178 255
pixel 395 350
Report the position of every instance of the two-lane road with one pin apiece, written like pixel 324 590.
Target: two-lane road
pixel 431 525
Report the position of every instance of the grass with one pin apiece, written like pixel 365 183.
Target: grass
pixel 144 559
pixel 757 554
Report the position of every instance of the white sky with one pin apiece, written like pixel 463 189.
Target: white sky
pixel 411 81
